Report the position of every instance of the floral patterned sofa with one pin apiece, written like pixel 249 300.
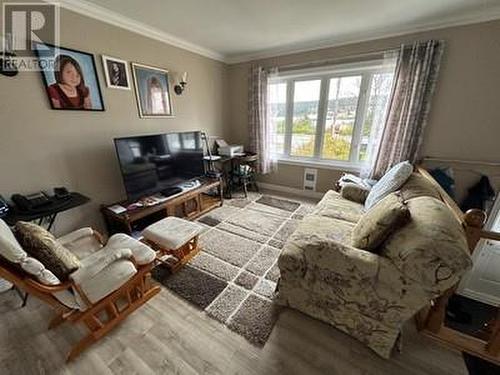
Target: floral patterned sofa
pixel 366 294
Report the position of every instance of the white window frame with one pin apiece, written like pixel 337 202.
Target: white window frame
pixel 364 69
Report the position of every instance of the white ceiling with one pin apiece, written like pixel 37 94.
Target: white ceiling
pixel 239 30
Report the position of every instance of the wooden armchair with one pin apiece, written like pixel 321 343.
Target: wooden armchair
pixel 112 282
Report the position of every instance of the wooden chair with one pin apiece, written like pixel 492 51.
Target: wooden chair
pixel 430 321
pixel 99 317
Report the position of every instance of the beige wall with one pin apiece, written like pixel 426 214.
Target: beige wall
pixel 41 148
pixel 465 119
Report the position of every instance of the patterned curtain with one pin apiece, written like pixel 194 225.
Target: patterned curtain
pixel 414 83
pixel 258 119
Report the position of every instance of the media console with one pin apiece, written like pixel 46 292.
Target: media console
pixel 190 204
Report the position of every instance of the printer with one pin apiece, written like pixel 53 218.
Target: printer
pixel 231 150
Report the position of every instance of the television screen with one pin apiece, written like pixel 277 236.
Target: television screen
pixel 152 163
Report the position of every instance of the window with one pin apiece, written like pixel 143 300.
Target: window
pixel 330 116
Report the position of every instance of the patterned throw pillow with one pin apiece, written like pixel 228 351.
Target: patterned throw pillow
pixel 378 223
pixel 390 182
pixel 43 246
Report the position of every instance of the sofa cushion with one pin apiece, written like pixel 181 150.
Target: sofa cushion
pixel 390 182
pixel 313 229
pixel 432 248
pixel 42 245
pixel 333 206
pixel 354 192
pixel 379 222
pixel 418 186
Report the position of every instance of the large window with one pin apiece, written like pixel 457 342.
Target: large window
pixel 331 116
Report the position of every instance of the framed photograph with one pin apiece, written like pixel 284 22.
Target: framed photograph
pixel 116 72
pixel 152 91
pixel 70 78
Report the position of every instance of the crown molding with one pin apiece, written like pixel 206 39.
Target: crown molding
pixel 102 14
pixel 490 15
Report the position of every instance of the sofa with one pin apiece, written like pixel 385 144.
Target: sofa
pixel 371 294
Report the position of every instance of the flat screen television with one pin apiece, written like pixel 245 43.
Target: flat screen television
pixel 152 163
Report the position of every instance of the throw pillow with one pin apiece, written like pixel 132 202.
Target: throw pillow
pixel 377 224
pixel 390 182
pixel 354 192
pixel 44 247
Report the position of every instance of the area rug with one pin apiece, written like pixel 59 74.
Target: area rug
pixel 233 278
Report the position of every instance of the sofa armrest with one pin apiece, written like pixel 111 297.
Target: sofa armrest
pixel 354 192
pixel 97 262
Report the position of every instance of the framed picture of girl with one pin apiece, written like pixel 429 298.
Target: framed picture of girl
pixel 70 78
pixel 152 91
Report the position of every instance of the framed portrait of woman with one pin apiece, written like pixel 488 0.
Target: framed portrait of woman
pixel 152 91
pixel 70 78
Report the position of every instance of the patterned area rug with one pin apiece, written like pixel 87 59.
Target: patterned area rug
pixel 234 276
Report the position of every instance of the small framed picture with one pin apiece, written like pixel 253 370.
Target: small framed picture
pixel 116 72
pixel 152 91
pixel 70 78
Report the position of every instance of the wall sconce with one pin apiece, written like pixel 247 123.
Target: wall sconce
pixel 179 88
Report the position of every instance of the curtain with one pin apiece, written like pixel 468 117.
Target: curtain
pixel 408 108
pixel 260 126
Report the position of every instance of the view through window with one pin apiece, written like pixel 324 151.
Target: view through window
pixel 331 116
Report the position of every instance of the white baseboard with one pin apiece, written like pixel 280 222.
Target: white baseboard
pixel 290 190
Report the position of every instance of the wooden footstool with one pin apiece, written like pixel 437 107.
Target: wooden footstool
pixel 175 241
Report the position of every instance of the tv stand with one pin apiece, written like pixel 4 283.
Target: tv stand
pixel 171 191
pixel 189 205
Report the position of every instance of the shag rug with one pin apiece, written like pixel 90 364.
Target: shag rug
pixel 234 276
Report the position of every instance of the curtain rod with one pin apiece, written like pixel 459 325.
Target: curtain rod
pixel 334 60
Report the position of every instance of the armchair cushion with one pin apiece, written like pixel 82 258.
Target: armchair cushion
pixel 98 261
pixel 43 246
pixel 10 248
pixel 379 222
pixel 142 253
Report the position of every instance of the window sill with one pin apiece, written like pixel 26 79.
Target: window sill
pixel 322 164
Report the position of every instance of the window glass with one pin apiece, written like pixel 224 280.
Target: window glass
pixel 380 90
pixel 343 98
pixel 305 116
pixel 277 116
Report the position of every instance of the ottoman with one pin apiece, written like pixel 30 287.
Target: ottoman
pixel 175 240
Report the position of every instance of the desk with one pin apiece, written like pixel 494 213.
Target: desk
pixel 228 175
pixel 48 212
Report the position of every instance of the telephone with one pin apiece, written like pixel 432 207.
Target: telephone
pixel 31 201
pixel 4 207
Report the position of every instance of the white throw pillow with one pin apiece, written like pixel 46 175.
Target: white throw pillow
pixel 390 182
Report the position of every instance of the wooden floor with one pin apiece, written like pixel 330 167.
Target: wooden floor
pixel 169 336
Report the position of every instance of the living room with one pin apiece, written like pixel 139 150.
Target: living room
pixel 290 129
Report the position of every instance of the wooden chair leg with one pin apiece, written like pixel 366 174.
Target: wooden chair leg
pixel 493 346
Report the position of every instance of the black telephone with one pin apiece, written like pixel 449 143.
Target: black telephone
pixel 4 207
pixel 31 201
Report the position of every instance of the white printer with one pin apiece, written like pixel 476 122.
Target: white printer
pixel 229 150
